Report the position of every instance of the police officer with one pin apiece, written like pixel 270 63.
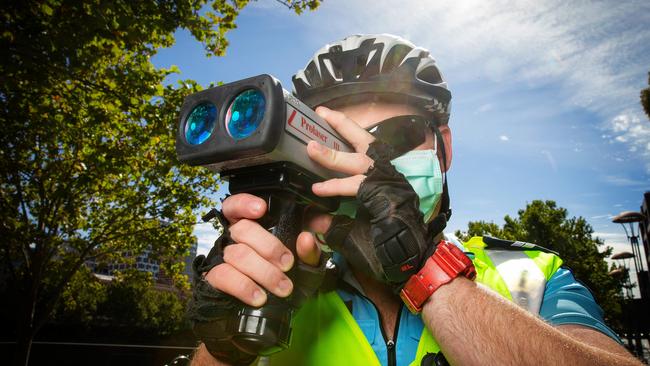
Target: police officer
pixel 403 296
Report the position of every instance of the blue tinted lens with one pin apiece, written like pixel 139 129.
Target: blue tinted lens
pixel 200 123
pixel 245 114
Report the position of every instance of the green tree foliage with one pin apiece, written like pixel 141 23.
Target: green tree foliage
pixel 300 5
pixel 645 98
pixel 546 224
pixel 81 299
pixel 132 303
pixel 129 304
pixel 87 164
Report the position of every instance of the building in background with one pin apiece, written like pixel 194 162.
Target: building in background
pixel 142 262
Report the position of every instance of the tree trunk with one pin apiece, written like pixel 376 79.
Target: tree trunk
pixel 23 346
pixel 25 324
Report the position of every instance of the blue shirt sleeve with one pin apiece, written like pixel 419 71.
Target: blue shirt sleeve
pixel 567 301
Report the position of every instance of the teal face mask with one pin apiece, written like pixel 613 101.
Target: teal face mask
pixel 422 170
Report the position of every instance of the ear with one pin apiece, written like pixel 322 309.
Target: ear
pixel 446 136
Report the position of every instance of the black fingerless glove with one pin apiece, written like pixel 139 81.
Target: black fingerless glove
pixel 307 280
pixel 397 227
pixel 388 239
pixel 212 311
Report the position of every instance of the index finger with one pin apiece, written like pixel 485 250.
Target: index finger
pixel 350 130
pixel 243 206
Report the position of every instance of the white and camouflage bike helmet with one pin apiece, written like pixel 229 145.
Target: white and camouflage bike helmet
pixel 374 67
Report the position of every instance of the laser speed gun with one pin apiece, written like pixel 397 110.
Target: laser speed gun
pixel 255 123
pixel 254 133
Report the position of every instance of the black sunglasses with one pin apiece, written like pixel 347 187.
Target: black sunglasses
pixel 402 133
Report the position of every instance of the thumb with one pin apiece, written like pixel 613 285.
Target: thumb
pixel 307 249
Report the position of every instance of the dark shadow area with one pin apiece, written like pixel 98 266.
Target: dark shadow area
pixel 76 346
pixel 635 332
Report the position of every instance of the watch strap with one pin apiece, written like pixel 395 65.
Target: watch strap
pixel 446 263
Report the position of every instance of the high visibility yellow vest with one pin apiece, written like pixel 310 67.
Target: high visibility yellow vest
pixel 325 333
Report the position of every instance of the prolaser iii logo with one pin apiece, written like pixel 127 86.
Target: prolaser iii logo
pixel 306 129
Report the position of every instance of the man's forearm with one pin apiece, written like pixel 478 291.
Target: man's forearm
pixel 475 326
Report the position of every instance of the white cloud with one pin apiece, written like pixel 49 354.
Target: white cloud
pixel 484 108
pixel 598 217
pixel 624 181
pixel 629 127
pixel 618 240
pixel 504 138
pixel 206 235
pixel 550 159
pixel 595 54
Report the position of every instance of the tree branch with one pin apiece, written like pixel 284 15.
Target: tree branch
pixel 23 246
pixel 8 262
pixel 58 288
pixel 67 193
pixel 19 190
pixel 124 234
pixel 289 6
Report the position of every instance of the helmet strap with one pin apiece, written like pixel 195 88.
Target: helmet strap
pixel 445 203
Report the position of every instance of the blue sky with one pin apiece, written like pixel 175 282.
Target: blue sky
pixel 545 94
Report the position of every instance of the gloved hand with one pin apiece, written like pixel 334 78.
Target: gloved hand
pixel 388 239
pixel 214 312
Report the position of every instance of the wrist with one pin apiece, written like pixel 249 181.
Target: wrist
pixel 447 263
pixel 455 288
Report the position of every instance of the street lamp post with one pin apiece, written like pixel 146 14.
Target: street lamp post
pixel 636 310
pixel 623 272
pixel 630 218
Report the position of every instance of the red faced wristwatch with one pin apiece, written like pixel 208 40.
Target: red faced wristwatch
pixel 446 263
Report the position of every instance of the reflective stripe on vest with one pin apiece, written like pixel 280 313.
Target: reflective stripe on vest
pixel 325 332
pixel 525 281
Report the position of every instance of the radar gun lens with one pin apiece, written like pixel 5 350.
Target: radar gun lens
pixel 200 123
pixel 245 114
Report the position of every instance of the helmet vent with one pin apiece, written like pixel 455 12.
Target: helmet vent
pixel 373 52
pixel 334 70
pixel 313 76
pixel 430 75
pixel 395 57
pixel 336 49
pixel 361 64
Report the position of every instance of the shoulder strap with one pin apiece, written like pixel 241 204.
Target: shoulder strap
pixel 496 243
